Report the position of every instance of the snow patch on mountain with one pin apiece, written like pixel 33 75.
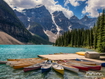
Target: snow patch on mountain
pixel 52 36
pixel 60 20
pixel 57 27
pixel 70 27
pixel 28 18
pixel 28 27
pixel 32 33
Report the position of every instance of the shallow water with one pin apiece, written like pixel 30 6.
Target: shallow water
pixel 31 51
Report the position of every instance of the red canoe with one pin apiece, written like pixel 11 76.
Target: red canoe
pixel 33 67
pixel 79 66
pixel 93 67
pixel 86 67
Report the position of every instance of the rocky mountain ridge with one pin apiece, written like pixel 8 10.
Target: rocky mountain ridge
pixel 55 23
pixel 10 24
pixel 15 30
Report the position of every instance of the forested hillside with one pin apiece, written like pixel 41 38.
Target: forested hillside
pixel 92 38
pixel 11 26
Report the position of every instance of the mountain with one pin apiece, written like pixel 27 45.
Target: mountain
pixel 22 18
pixel 33 23
pixel 41 15
pixel 10 24
pixel 65 24
pixel 62 22
pixel 74 19
pixel 88 21
pixel 38 30
pixel 38 24
pixel 14 30
pixel 48 25
pixel 7 39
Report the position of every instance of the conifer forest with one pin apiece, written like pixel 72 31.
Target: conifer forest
pixel 92 38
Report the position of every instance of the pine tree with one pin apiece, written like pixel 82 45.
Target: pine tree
pixel 100 29
pixel 103 31
pixel 95 36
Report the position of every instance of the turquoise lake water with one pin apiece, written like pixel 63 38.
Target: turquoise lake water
pixel 31 51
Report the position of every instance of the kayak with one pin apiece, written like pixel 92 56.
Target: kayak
pixel 81 53
pixel 58 68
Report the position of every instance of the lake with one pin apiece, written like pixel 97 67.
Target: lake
pixel 31 51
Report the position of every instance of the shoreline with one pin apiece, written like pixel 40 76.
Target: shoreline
pixel 84 47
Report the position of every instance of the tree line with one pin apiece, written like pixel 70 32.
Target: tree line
pixel 92 38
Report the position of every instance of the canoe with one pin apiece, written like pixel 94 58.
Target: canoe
pixel 58 68
pixel 70 68
pixel 13 63
pixel 81 53
pixel 82 62
pixel 10 62
pixel 97 66
pixel 16 62
pixel 79 66
pixel 76 65
pixel 46 67
pixel 22 65
pixel 90 67
pixel 102 64
pixel 21 59
pixel 33 67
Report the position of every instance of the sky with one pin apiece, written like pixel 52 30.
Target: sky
pixel 79 8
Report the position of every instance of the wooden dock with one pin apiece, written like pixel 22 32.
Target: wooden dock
pixel 68 56
pixel 60 56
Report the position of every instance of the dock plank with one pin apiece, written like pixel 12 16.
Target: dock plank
pixel 68 56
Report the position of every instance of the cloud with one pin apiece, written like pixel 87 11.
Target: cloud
pixel 74 3
pixel 51 5
pixel 93 6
